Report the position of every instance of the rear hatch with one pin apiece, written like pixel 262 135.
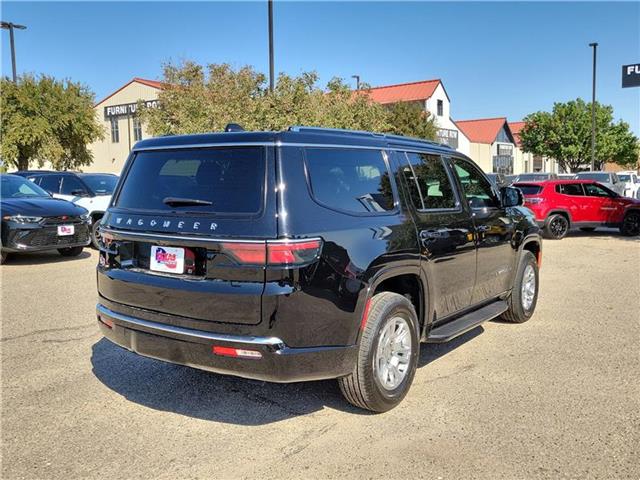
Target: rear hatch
pixel 531 192
pixel 187 233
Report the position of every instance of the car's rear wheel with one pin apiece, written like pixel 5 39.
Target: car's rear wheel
pixel 95 234
pixel 587 229
pixel 557 227
pixel 524 295
pixel 631 224
pixel 70 252
pixel 387 355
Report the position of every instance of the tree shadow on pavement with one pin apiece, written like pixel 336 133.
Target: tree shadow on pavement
pixel 604 233
pixel 209 396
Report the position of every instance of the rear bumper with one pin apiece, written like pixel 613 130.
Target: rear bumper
pixel 194 348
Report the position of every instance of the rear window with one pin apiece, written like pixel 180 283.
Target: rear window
pixel 529 189
pixel 598 177
pixel 351 180
pixel 214 180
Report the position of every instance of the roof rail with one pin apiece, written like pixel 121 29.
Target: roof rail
pixel 387 136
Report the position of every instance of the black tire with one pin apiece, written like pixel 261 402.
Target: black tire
pixel 557 227
pixel 631 224
pixel 70 252
pixel 362 387
pixel 517 312
pixel 588 229
pixel 95 240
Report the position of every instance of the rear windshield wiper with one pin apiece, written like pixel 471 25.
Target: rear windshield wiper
pixel 184 202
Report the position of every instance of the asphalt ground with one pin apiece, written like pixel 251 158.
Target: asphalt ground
pixel 556 397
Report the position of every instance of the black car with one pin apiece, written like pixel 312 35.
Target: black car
pixel 309 254
pixel 33 221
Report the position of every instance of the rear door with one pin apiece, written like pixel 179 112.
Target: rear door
pixel 571 197
pixel 494 229
pixel 187 234
pixel 445 230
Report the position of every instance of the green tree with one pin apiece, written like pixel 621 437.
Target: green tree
pixel 44 119
pixel 199 99
pixel 565 134
pixel 412 120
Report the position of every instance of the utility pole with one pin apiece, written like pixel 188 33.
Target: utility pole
pixel 357 77
pixel 10 26
pixel 593 109
pixel 271 73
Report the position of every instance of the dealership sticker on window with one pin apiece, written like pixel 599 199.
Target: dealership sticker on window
pixel 64 230
pixel 167 259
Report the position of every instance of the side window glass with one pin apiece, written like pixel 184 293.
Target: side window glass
pixel 595 190
pixel 72 186
pixel 574 189
pixel 353 180
pixel 51 183
pixel 433 184
pixel 477 189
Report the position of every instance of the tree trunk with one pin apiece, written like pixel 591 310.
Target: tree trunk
pixel 23 161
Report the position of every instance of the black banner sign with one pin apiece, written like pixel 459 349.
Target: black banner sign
pixel 631 75
pixel 127 109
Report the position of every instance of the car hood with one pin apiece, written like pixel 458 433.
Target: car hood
pixel 40 207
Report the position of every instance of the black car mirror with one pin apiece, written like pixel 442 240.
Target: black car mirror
pixel 511 197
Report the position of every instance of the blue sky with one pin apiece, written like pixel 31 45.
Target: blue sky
pixel 495 59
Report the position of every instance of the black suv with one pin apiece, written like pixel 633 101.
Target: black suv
pixel 309 254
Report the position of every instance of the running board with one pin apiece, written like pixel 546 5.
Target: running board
pixel 469 321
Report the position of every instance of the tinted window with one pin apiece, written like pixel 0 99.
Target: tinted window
pixel 101 184
pixel 529 189
pixel 595 190
pixel 72 186
pixel 476 187
pixel 433 189
pixel 570 189
pixel 17 187
pixel 51 183
pixel 231 179
pixel 353 180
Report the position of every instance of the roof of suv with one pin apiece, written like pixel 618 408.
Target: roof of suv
pixel 294 135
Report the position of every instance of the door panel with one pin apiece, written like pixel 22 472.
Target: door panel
pixel 602 207
pixel 494 230
pixel 445 229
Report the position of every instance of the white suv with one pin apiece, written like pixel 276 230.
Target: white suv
pixel 632 183
pixel 89 190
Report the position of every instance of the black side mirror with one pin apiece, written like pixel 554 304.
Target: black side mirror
pixel 511 197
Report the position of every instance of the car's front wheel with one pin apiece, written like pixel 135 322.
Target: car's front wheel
pixel 557 227
pixel 524 294
pixel 387 355
pixel 70 252
pixel 631 224
pixel 95 233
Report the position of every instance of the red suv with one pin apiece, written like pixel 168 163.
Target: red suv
pixel 559 205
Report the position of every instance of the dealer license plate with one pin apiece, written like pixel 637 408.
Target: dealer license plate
pixel 64 230
pixel 167 259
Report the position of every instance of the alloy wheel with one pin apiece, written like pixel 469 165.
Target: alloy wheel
pixel 393 355
pixel 528 291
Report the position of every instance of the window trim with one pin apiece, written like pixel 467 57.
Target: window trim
pixel 458 203
pixel 385 158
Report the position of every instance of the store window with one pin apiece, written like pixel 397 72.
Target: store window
pixel 137 129
pixel 440 108
pixel 115 131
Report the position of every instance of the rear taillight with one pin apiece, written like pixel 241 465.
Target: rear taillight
pixel 532 200
pixel 274 253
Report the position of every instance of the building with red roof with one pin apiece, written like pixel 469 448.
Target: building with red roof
pixel 117 114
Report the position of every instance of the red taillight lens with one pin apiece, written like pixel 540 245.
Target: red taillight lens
pixel 236 352
pixel 252 253
pixel 294 253
pixel 273 253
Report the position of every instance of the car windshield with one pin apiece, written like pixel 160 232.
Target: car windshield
pixel 12 186
pixel 598 177
pixel 101 184
pixel 533 177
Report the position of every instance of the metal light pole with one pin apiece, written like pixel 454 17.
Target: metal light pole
pixel 10 26
pixel 593 110
pixel 271 79
pixel 357 77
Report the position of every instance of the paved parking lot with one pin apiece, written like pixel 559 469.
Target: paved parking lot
pixel 556 397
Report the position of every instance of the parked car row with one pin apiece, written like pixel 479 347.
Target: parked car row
pixel 46 210
pixel 559 205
